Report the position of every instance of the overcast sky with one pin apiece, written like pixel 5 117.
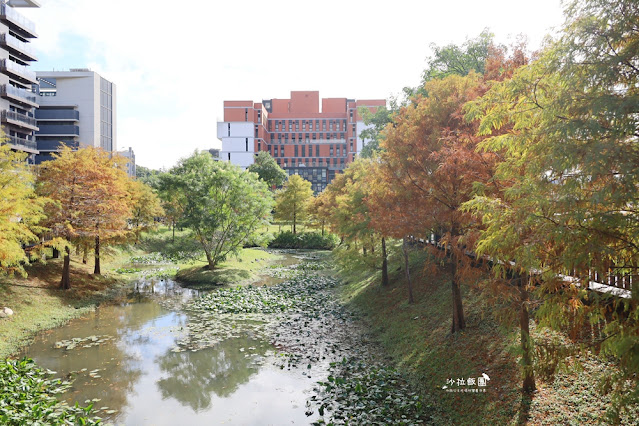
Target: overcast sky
pixel 174 63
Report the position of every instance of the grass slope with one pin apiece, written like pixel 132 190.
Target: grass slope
pixel 234 270
pixel 417 338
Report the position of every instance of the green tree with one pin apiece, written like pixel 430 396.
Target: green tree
pixel 146 208
pixel 268 170
pixel 223 205
pixel 148 176
pixel 378 119
pixel 20 210
pixel 292 200
pixel 459 60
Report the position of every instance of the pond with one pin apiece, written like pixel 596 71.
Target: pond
pixel 124 358
pixel 282 350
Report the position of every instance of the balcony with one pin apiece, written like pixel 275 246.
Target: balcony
pixel 17 48
pixel 19 96
pixel 56 145
pixel 22 144
pixel 17 22
pixel 18 72
pixel 58 130
pixel 20 120
pixel 57 115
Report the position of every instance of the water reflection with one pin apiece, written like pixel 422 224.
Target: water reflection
pixel 138 374
pixel 192 377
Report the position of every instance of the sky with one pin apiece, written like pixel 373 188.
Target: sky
pixel 175 62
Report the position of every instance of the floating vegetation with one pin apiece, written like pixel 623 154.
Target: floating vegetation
pixel 207 329
pixel 294 294
pixel 360 393
pixel 83 342
pixel 128 270
pixel 27 396
pixel 160 273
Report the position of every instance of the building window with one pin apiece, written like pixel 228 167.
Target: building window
pixel 259 116
pixel 303 150
pixel 317 150
pixel 296 151
pixel 246 144
pixel 351 114
pixel 257 134
pixel 229 156
pixel 229 129
pixel 259 146
pixel 245 114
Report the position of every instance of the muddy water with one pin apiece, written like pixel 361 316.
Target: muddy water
pixel 126 359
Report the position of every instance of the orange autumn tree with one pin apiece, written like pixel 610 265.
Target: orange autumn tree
pixel 343 205
pixel 90 200
pixel 432 167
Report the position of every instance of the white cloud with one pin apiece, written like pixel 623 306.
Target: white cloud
pixel 174 63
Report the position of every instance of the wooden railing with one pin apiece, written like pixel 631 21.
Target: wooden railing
pixel 609 280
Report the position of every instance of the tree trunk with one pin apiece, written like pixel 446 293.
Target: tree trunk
pixel 364 250
pixel 294 223
pixel 210 260
pixel 384 263
pixel 322 228
pixel 458 308
pixel 173 240
pixel 85 254
pixel 410 285
pixel 96 268
pixel 65 283
pixel 56 253
pixel 526 343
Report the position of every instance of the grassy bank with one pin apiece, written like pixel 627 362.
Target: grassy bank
pixel 417 338
pixel 39 304
pixel 238 269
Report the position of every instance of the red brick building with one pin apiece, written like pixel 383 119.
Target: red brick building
pixel 304 139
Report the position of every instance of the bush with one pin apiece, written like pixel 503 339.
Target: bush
pixel 304 240
pixel 27 396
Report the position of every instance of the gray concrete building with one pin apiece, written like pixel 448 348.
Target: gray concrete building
pixel 130 166
pixel 77 108
pixel 17 102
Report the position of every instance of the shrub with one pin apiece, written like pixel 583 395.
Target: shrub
pixel 304 240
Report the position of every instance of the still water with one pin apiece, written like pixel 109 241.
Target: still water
pixel 138 377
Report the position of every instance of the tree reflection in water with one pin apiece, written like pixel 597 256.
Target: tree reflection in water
pixel 192 377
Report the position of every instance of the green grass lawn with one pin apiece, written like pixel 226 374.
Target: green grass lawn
pixel 417 339
pixel 237 269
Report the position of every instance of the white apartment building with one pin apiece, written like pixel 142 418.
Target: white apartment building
pixel 77 108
